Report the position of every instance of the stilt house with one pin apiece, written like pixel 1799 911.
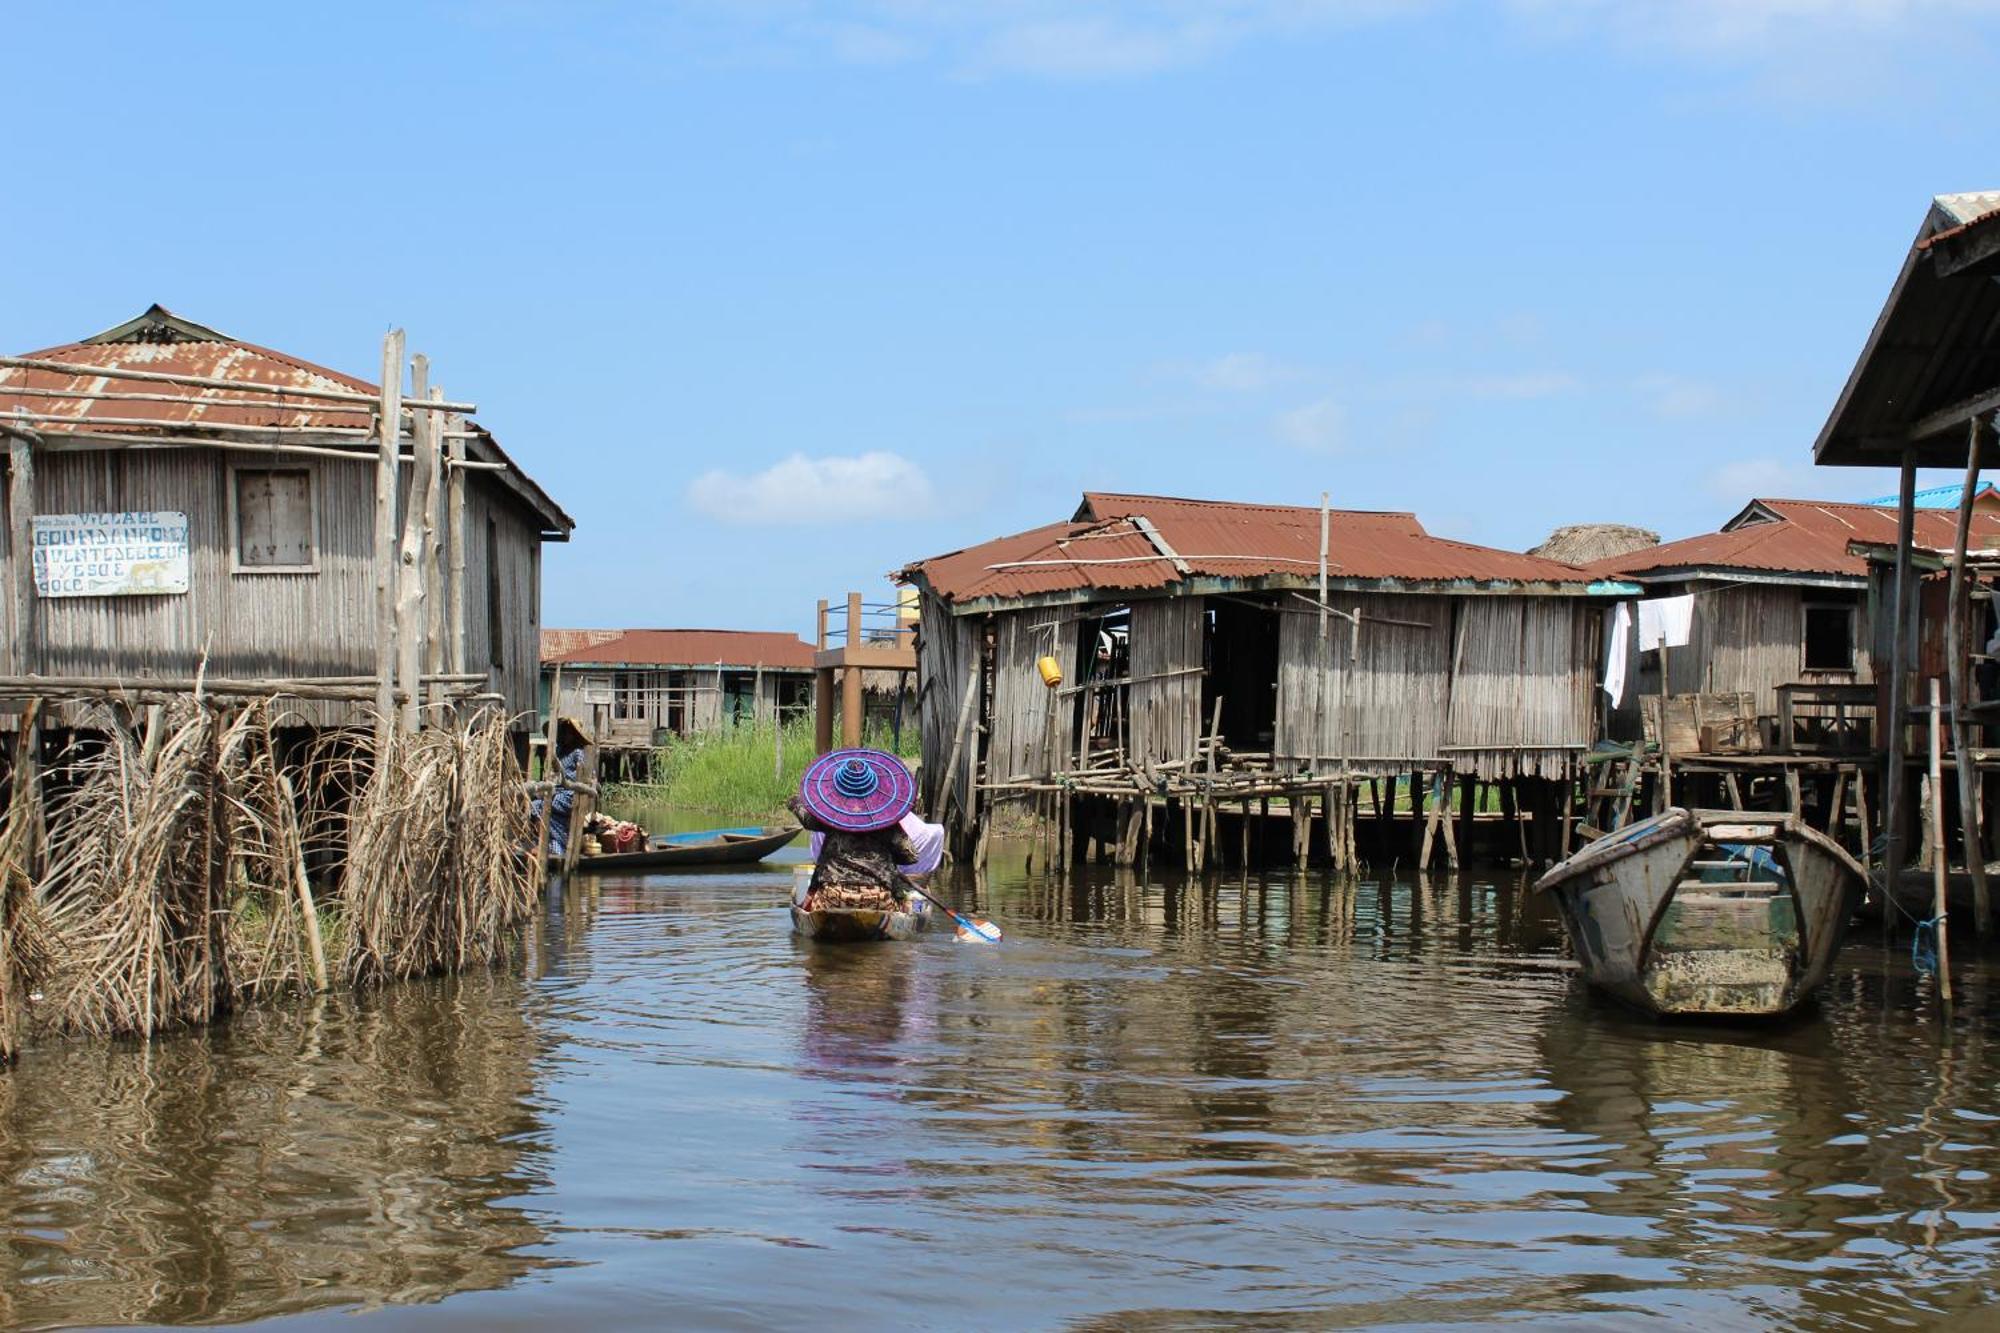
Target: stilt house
pixel 184 503
pixel 1190 636
pixel 637 686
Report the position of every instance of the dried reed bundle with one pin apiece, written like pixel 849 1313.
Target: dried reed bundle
pixel 435 879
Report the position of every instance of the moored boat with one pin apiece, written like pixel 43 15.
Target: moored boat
pixel 1718 912
pixel 837 921
pixel 679 851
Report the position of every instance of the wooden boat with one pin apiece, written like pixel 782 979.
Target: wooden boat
pixel 843 925
pixel 1731 912
pixel 687 851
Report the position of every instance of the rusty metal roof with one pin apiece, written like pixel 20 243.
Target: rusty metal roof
pixel 735 648
pixel 161 341
pixel 1934 350
pixel 1793 537
pixel 1105 548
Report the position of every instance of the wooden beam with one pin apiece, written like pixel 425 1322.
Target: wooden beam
pixel 1959 663
pixel 455 594
pixel 207 382
pixel 1153 535
pixel 386 467
pixel 1894 778
pixel 1953 417
pixel 411 611
pixel 21 548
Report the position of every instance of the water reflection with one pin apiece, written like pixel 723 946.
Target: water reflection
pixel 346 1152
pixel 1162 1102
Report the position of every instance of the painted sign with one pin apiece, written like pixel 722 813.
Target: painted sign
pixel 111 555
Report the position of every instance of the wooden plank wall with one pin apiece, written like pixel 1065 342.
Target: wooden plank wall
pixel 1395 695
pixel 1167 636
pixel 1524 684
pixel 1751 638
pixel 1022 704
pixel 947 649
pixel 262 624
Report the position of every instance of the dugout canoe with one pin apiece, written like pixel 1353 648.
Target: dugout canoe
pixel 848 925
pixel 1708 912
pixel 689 851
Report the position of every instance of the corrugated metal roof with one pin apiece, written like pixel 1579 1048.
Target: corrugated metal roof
pixel 736 648
pixel 1794 537
pixel 161 341
pixel 1104 548
pixel 1939 497
pixel 1934 347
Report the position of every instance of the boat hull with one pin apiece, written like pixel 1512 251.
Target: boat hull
pixel 849 925
pixel 1706 912
pixel 685 851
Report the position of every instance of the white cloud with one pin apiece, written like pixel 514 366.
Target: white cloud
pixel 1320 427
pixel 1675 396
pixel 1523 385
pixel 1242 372
pixel 803 490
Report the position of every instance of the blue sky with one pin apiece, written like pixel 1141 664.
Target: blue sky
pixel 775 296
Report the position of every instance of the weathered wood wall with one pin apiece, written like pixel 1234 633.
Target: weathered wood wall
pixel 1386 705
pixel 269 624
pixel 1167 639
pixel 1023 707
pixel 948 649
pixel 1750 638
pixel 1523 691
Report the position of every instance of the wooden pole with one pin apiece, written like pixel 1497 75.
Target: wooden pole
pixel 436 519
pixel 410 611
pixel 1893 715
pixel 455 595
pixel 1325 658
pixel 822 709
pixel 21 544
pixel 552 775
pixel 851 702
pixel 1938 868
pixel 965 711
pixel 389 417
pixel 1959 659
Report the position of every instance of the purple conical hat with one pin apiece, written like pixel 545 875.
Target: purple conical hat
pixel 858 790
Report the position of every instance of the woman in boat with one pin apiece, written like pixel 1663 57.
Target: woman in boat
pixel 570 746
pixel 857 800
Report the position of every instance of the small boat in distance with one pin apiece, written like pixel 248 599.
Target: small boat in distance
pixel 686 851
pixel 1708 912
pixel 841 922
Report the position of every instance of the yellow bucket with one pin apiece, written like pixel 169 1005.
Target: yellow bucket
pixel 1051 671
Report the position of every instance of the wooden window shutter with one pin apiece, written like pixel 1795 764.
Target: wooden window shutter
pixel 274 527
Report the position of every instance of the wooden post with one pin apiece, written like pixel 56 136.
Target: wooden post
pixel 552 776
pixel 1893 798
pixel 823 710
pixel 388 429
pixel 1958 656
pixel 455 654
pixel 851 704
pixel 1445 785
pixel 966 708
pixel 1938 868
pixel 411 615
pixel 435 519
pixel 1325 661
pixel 21 543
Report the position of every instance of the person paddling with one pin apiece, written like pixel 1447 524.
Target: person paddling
pixel 857 799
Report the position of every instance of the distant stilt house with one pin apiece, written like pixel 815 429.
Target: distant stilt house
pixel 1198 664
pixel 199 504
pixel 637 687
pixel 1782 610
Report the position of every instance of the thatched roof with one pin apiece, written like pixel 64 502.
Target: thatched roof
pixel 1583 543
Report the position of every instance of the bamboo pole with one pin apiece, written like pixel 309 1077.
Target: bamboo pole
pixel 316 948
pixel 1959 660
pixel 410 607
pixel 385 538
pixel 435 519
pixel 95 442
pixel 1894 799
pixel 552 775
pixel 1938 868
pixel 455 592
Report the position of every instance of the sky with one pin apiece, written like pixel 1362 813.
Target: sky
pixel 776 296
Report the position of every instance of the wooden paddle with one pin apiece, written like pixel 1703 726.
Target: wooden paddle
pixel 983 931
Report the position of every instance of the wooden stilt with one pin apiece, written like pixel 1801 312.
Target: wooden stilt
pixel 1939 870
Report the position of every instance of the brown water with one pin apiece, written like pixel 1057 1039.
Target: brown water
pixel 1291 1105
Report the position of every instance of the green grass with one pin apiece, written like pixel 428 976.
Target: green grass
pixel 735 771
